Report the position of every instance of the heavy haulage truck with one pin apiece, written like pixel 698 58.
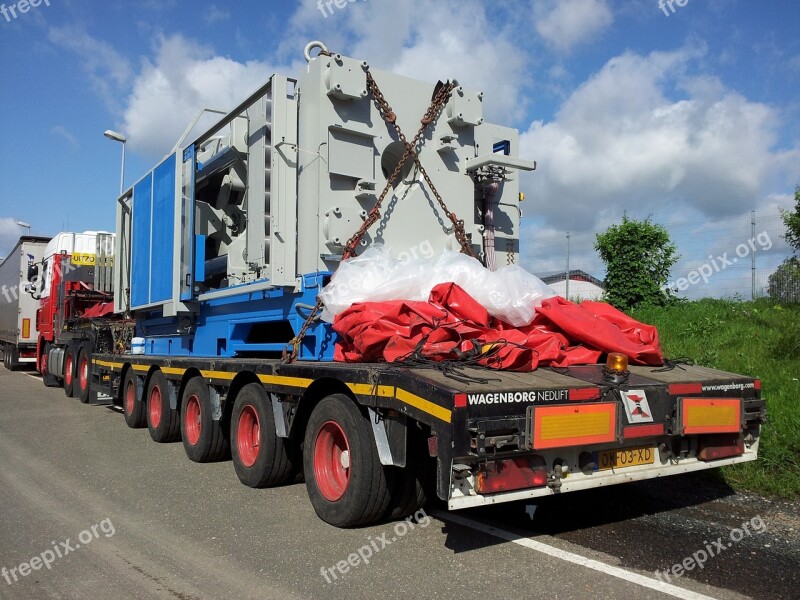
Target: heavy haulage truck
pixel 221 250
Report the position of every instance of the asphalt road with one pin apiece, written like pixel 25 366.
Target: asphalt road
pixel 109 514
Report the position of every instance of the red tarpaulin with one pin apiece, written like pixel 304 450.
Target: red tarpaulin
pixel 98 310
pixel 452 323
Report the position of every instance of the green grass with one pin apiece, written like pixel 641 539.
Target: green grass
pixel 760 339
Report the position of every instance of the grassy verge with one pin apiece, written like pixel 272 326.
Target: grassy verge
pixel 761 339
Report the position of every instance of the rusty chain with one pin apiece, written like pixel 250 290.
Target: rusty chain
pixel 441 96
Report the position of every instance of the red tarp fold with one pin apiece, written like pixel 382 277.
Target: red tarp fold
pixel 452 323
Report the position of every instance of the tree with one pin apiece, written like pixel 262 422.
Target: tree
pixel 792 221
pixel 638 257
pixel 784 283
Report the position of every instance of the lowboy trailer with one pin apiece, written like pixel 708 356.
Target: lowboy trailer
pixel 222 249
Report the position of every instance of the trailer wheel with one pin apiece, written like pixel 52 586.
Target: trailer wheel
pixel 12 354
pixel 84 375
pixel 69 373
pixel 346 483
pixel 132 404
pixel 260 457
pixel 203 438
pixel 163 422
pixel 48 379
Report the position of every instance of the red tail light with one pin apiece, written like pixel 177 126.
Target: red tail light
pixel 512 474
pixel 713 447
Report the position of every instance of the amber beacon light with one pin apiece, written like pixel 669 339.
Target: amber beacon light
pixel 616 369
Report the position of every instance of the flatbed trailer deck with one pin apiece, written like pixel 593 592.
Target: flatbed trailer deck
pixel 493 436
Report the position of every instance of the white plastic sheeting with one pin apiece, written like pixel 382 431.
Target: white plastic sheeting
pixel 510 293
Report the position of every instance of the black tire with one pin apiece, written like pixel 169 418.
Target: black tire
pixel 411 484
pixel 69 372
pixel 357 491
pixel 84 374
pixel 13 358
pixel 4 348
pixel 204 439
pixel 163 422
pixel 132 405
pixel 260 457
pixel 48 379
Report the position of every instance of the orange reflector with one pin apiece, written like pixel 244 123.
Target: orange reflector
pixel 560 426
pixel 579 394
pixel 679 389
pixel 711 415
pixel 26 329
pixel 639 431
pixel 511 474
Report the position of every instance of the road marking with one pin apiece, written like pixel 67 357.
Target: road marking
pixel 642 580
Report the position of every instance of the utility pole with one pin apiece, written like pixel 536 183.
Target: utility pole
pixel 566 291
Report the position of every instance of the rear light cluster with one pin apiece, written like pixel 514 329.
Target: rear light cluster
pixel 713 447
pixel 511 474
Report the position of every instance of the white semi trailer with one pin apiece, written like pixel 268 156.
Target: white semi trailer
pixel 18 333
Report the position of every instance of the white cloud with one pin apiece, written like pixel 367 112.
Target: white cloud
pixel 215 14
pixel 63 132
pixel 108 71
pixel 431 41
pixel 566 23
pixel 622 141
pixel 183 78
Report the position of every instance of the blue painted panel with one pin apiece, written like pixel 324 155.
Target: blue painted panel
pixel 162 263
pixel 223 325
pixel 199 257
pixel 140 250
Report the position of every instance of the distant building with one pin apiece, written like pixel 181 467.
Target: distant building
pixel 582 286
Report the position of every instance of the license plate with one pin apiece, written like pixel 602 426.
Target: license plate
pixel 628 457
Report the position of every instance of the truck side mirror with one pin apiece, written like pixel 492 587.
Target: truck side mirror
pixel 33 273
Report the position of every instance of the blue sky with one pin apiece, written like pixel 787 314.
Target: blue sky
pixel 685 115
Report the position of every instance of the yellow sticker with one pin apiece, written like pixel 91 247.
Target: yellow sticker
pixel 83 258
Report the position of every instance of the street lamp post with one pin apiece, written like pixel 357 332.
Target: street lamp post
pixel 25 225
pixel 118 137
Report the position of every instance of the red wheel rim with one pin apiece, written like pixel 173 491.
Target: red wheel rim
pixel 130 398
pixel 192 423
pixel 248 436
pixel 68 370
pixel 154 406
pixel 83 373
pixel 332 461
